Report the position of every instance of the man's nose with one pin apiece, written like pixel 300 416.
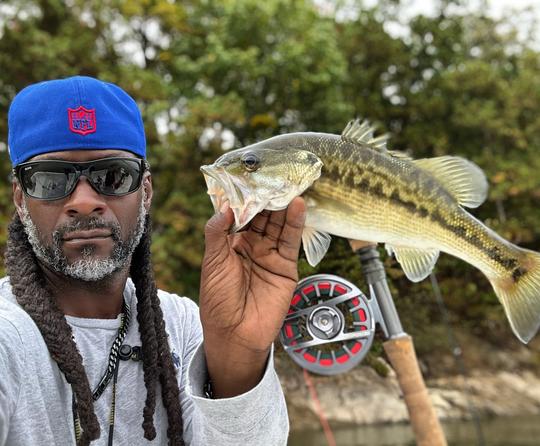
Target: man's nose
pixel 84 200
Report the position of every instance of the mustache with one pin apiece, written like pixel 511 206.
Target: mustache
pixel 84 224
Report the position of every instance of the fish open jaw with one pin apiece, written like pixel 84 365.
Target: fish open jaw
pixel 242 200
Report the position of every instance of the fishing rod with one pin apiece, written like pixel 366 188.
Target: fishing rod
pixel 330 328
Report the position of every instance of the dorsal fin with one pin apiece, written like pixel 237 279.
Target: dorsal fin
pixel 361 133
pixel 464 180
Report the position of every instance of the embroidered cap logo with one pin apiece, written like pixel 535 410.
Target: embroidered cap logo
pixel 82 120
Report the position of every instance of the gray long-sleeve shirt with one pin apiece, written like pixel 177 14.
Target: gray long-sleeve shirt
pixel 36 401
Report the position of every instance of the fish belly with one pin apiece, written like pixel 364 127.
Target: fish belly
pixel 369 221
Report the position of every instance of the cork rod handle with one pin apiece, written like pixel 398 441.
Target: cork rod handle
pixel 424 421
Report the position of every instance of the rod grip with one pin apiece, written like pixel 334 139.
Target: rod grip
pixel 424 421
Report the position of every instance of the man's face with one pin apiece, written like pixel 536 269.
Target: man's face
pixel 86 235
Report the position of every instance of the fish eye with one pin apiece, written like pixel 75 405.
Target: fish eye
pixel 250 161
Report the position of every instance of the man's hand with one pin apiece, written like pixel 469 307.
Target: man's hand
pixel 247 283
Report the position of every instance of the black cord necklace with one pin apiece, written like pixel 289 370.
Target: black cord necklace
pixel 110 374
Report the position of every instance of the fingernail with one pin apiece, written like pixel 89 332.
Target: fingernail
pixel 224 207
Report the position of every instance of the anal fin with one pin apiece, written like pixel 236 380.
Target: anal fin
pixel 316 244
pixel 417 264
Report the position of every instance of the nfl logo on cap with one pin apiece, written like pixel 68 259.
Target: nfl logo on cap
pixel 82 120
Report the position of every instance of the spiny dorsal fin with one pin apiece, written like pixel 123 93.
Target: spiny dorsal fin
pixel 316 244
pixel 464 180
pixel 417 264
pixel 361 132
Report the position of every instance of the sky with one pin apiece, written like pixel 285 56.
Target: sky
pixel 516 10
pixel 524 14
pixel 495 7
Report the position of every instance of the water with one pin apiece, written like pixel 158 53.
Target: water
pixel 502 431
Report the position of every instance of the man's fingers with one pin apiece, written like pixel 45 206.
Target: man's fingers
pixel 217 231
pixel 259 222
pixel 291 235
pixel 274 227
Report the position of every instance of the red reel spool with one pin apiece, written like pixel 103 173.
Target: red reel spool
pixel 330 325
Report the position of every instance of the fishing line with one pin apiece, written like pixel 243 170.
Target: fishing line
pixel 458 356
pixel 318 409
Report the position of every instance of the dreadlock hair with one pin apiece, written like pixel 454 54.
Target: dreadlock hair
pixel 29 287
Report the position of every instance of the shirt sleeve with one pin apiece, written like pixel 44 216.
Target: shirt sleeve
pixel 254 418
pixel 11 370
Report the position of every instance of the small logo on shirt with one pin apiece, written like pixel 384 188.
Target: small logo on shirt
pixel 82 120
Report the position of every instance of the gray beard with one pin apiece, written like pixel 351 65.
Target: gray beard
pixel 88 269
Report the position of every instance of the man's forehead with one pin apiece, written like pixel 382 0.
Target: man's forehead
pixel 82 155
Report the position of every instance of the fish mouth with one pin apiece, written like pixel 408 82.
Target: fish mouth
pixel 242 199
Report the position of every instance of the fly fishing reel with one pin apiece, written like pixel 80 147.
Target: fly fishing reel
pixel 330 325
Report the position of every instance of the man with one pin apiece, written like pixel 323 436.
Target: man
pixel 89 349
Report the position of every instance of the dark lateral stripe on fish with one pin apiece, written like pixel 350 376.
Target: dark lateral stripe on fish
pixel 518 272
pixel 494 252
pixel 352 163
pixel 365 170
pixel 365 164
pixel 349 179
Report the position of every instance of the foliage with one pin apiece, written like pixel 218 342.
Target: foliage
pixel 203 70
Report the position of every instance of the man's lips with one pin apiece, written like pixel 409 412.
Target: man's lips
pixel 89 235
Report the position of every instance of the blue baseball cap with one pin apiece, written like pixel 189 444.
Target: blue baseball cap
pixel 79 112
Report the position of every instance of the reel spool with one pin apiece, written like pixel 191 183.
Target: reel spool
pixel 330 325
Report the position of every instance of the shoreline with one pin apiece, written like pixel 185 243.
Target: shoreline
pixel 363 397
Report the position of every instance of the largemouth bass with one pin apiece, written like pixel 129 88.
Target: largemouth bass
pixel 354 187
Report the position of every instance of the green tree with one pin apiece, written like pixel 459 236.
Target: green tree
pixel 210 75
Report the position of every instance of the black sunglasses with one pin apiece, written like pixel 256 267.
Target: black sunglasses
pixel 53 180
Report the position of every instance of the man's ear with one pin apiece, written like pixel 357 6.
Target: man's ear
pixel 148 190
pixel 18 197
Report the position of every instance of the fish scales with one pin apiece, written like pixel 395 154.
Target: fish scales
pixel 355 188
pixel 385 193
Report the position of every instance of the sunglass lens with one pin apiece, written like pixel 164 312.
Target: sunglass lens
pixel 116 177
pixel 47 183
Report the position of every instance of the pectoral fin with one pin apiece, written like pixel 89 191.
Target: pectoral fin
pixel 416 264
pixel 316 244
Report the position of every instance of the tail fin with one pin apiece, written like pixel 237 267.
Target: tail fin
pixel 520 295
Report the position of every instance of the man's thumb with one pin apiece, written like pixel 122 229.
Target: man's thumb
pixel 217 230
